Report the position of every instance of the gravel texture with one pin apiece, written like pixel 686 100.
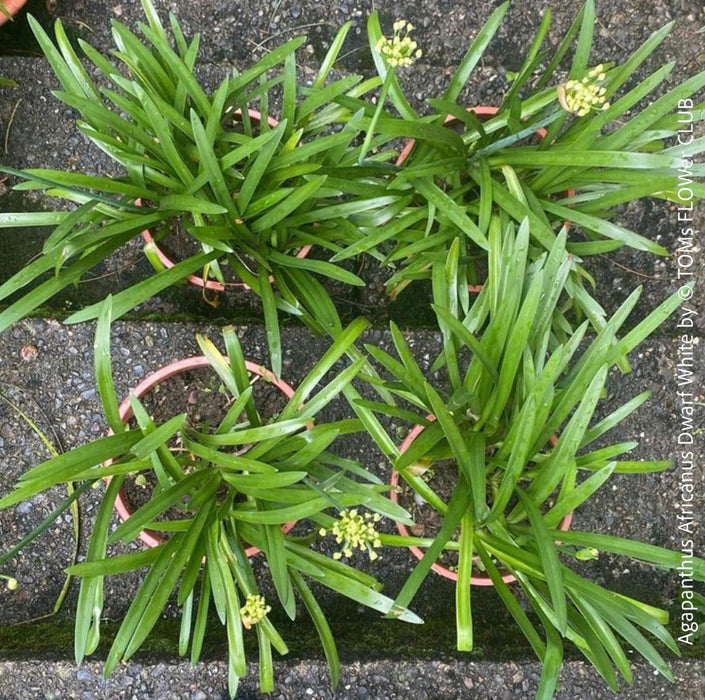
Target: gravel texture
pixel 372 680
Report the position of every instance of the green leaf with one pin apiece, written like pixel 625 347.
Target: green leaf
pixel 189 203
pixel 582 50
pixel 321 624
pixel 463 608
pixel 299 196
pixel 280 428
pixel 259 167
pixel 459 502
pixel 510 601
pixel 90 596
pixel 158 437
pixel 46 290
pixel 61 468
pixel 551 662
pixel 239 370
pixel 550 562
pixel 62 70
pixel 343 342
pixel 220 365
pixel 474 54
pixel 31 218
pixel 128 299
pixel 158 504
pixel 329 61
pixel 138 604
pixel 154 608
pixel 452 211
pixel 115 565
pixel 271 321
pixel 103 369
pixel 604 227
pixel 568 502
pixel 318 266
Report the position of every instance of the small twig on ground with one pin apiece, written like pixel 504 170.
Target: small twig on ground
pixel 286 31
pixel 634 272
pixel 54 450
pixel 275 9
pixel 77 22
pixel 9 124
pixel 610 36
pixel 350 53
pixel 113 273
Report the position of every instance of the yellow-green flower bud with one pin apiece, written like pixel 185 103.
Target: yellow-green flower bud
pixel 254 610
pixel 355 531
pixel 587 553
pixel 580 97
pixel 400 49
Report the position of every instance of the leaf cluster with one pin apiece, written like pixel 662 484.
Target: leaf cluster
pixel 514 409
pixel 237 484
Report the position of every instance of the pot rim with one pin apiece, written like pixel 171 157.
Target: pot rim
pixel 150 537
pixel 479 580
pixel 13 7
pixel 481 111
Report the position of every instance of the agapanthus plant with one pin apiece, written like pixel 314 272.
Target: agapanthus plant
pixel 559 148
pixel 514 413
pixel 246 191
pixel 235 485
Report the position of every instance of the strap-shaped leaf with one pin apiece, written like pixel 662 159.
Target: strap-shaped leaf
pixel 474 53
pixel 550 563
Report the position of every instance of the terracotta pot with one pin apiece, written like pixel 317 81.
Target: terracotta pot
pixel 480 579
pixel 214 285
pixel 13 7
pixel 149 537
pixel 484 112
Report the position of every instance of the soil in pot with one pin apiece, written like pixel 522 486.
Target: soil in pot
pixel 198 393
pixel 178 245
pixel 442 477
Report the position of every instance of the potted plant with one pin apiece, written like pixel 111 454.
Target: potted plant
pixel 228 479
pixel 488 482
pixel 465 171
pixel 242 196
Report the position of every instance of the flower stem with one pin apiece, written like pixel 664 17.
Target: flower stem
pixel 375 117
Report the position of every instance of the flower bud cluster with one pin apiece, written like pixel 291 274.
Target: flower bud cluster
pixel 583 96
pixel 355 531
pixel 254 610
pixel 401 49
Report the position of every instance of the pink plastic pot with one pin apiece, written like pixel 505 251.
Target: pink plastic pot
pixel 480 579
pixel 149 537
pixel 484 112
pixel 214 285
pixel 13 7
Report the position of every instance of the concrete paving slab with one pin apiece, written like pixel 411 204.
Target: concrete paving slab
pixel 443 679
